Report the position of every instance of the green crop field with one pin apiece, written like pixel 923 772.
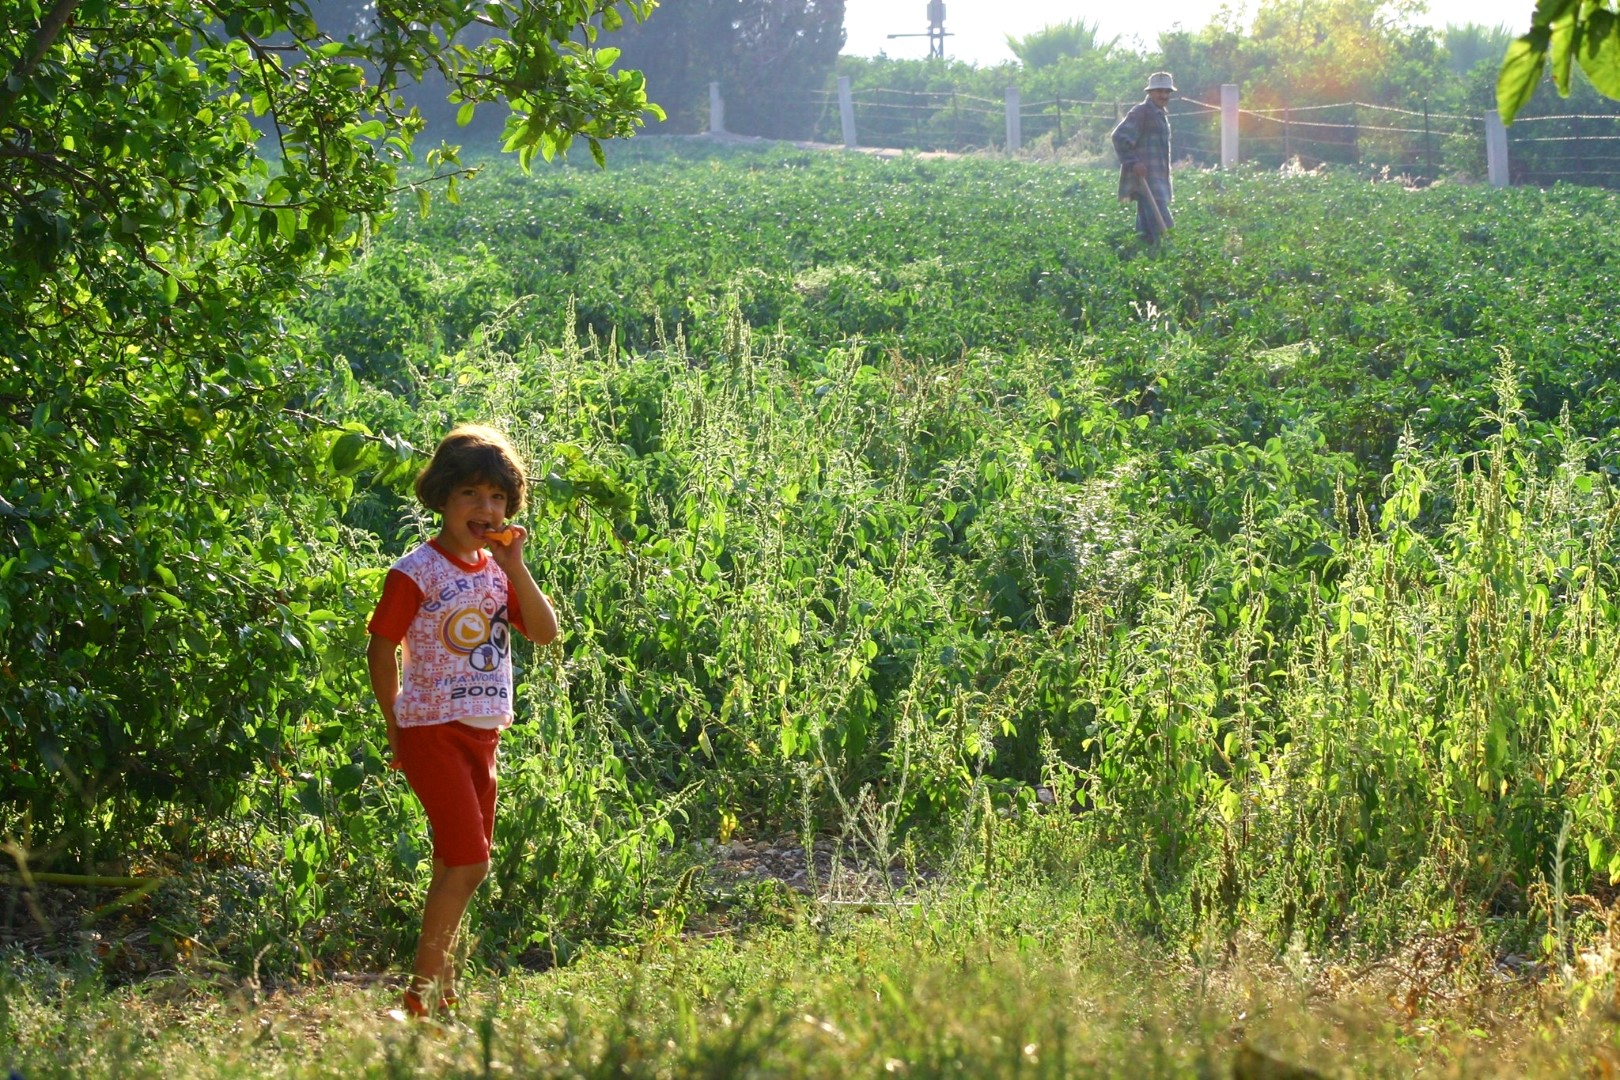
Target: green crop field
pixel 1179 656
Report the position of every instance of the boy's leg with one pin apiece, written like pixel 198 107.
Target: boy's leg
pixel 452 770
pixel 448 895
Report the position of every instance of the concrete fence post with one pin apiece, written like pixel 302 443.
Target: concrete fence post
pixel 846 111
pixel 717 110
pixel 1229 125
pixel 1015 134
pixel 1496 149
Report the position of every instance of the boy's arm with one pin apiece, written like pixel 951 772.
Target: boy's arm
pixel 382 663
pixel 539 617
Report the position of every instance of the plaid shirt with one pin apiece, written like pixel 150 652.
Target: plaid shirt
pixel 1144 136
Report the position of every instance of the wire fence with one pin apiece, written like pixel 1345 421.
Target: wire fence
pixel 1580 148
pixel 1406 142
pixel 1418 144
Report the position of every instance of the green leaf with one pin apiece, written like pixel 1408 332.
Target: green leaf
pixel 348 777
pixel 1548 12
pixel 464 114
pixel 1561 50
pixel 350 453
pixel 309 797
pixel 1521 70
pixel 1600 52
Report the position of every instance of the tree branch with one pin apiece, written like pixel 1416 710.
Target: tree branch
pixel 44 37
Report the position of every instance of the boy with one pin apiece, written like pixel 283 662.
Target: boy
pixel 446 611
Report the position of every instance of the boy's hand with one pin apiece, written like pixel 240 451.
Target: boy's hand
pixel 506 545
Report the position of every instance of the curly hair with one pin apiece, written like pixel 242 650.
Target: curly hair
pixel 473 454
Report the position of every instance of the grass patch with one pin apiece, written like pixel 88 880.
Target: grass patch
pixel 1022 982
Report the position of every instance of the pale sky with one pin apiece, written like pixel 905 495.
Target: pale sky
pixel 979 27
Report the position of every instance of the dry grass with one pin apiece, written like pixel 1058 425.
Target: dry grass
pixel 916 995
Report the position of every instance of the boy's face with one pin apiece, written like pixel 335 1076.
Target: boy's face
pixel 472 510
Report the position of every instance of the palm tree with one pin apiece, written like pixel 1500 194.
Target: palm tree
pixel 1471 44
pixel 1058 41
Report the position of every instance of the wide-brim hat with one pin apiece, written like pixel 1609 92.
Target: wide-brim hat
pixel 1160 80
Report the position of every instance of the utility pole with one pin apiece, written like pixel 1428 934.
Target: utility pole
pixel 936 30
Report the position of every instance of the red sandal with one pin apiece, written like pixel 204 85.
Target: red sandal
pixel 415 1006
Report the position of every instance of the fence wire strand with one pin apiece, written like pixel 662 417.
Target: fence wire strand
pixel 941 119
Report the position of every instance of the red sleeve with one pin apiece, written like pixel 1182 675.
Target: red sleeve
pixel 398 606
pixel 514 614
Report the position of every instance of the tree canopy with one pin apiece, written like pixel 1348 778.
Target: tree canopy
pixel 169 174
pixel 769 57
pixel 1303 52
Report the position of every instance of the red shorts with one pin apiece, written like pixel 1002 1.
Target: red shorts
pixel 451 767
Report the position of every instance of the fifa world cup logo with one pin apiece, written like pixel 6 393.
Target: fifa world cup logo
pixel 478 633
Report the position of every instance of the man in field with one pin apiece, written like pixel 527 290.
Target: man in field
pixel 1142 141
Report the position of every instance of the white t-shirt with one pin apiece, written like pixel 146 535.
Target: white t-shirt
pixel 457 647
